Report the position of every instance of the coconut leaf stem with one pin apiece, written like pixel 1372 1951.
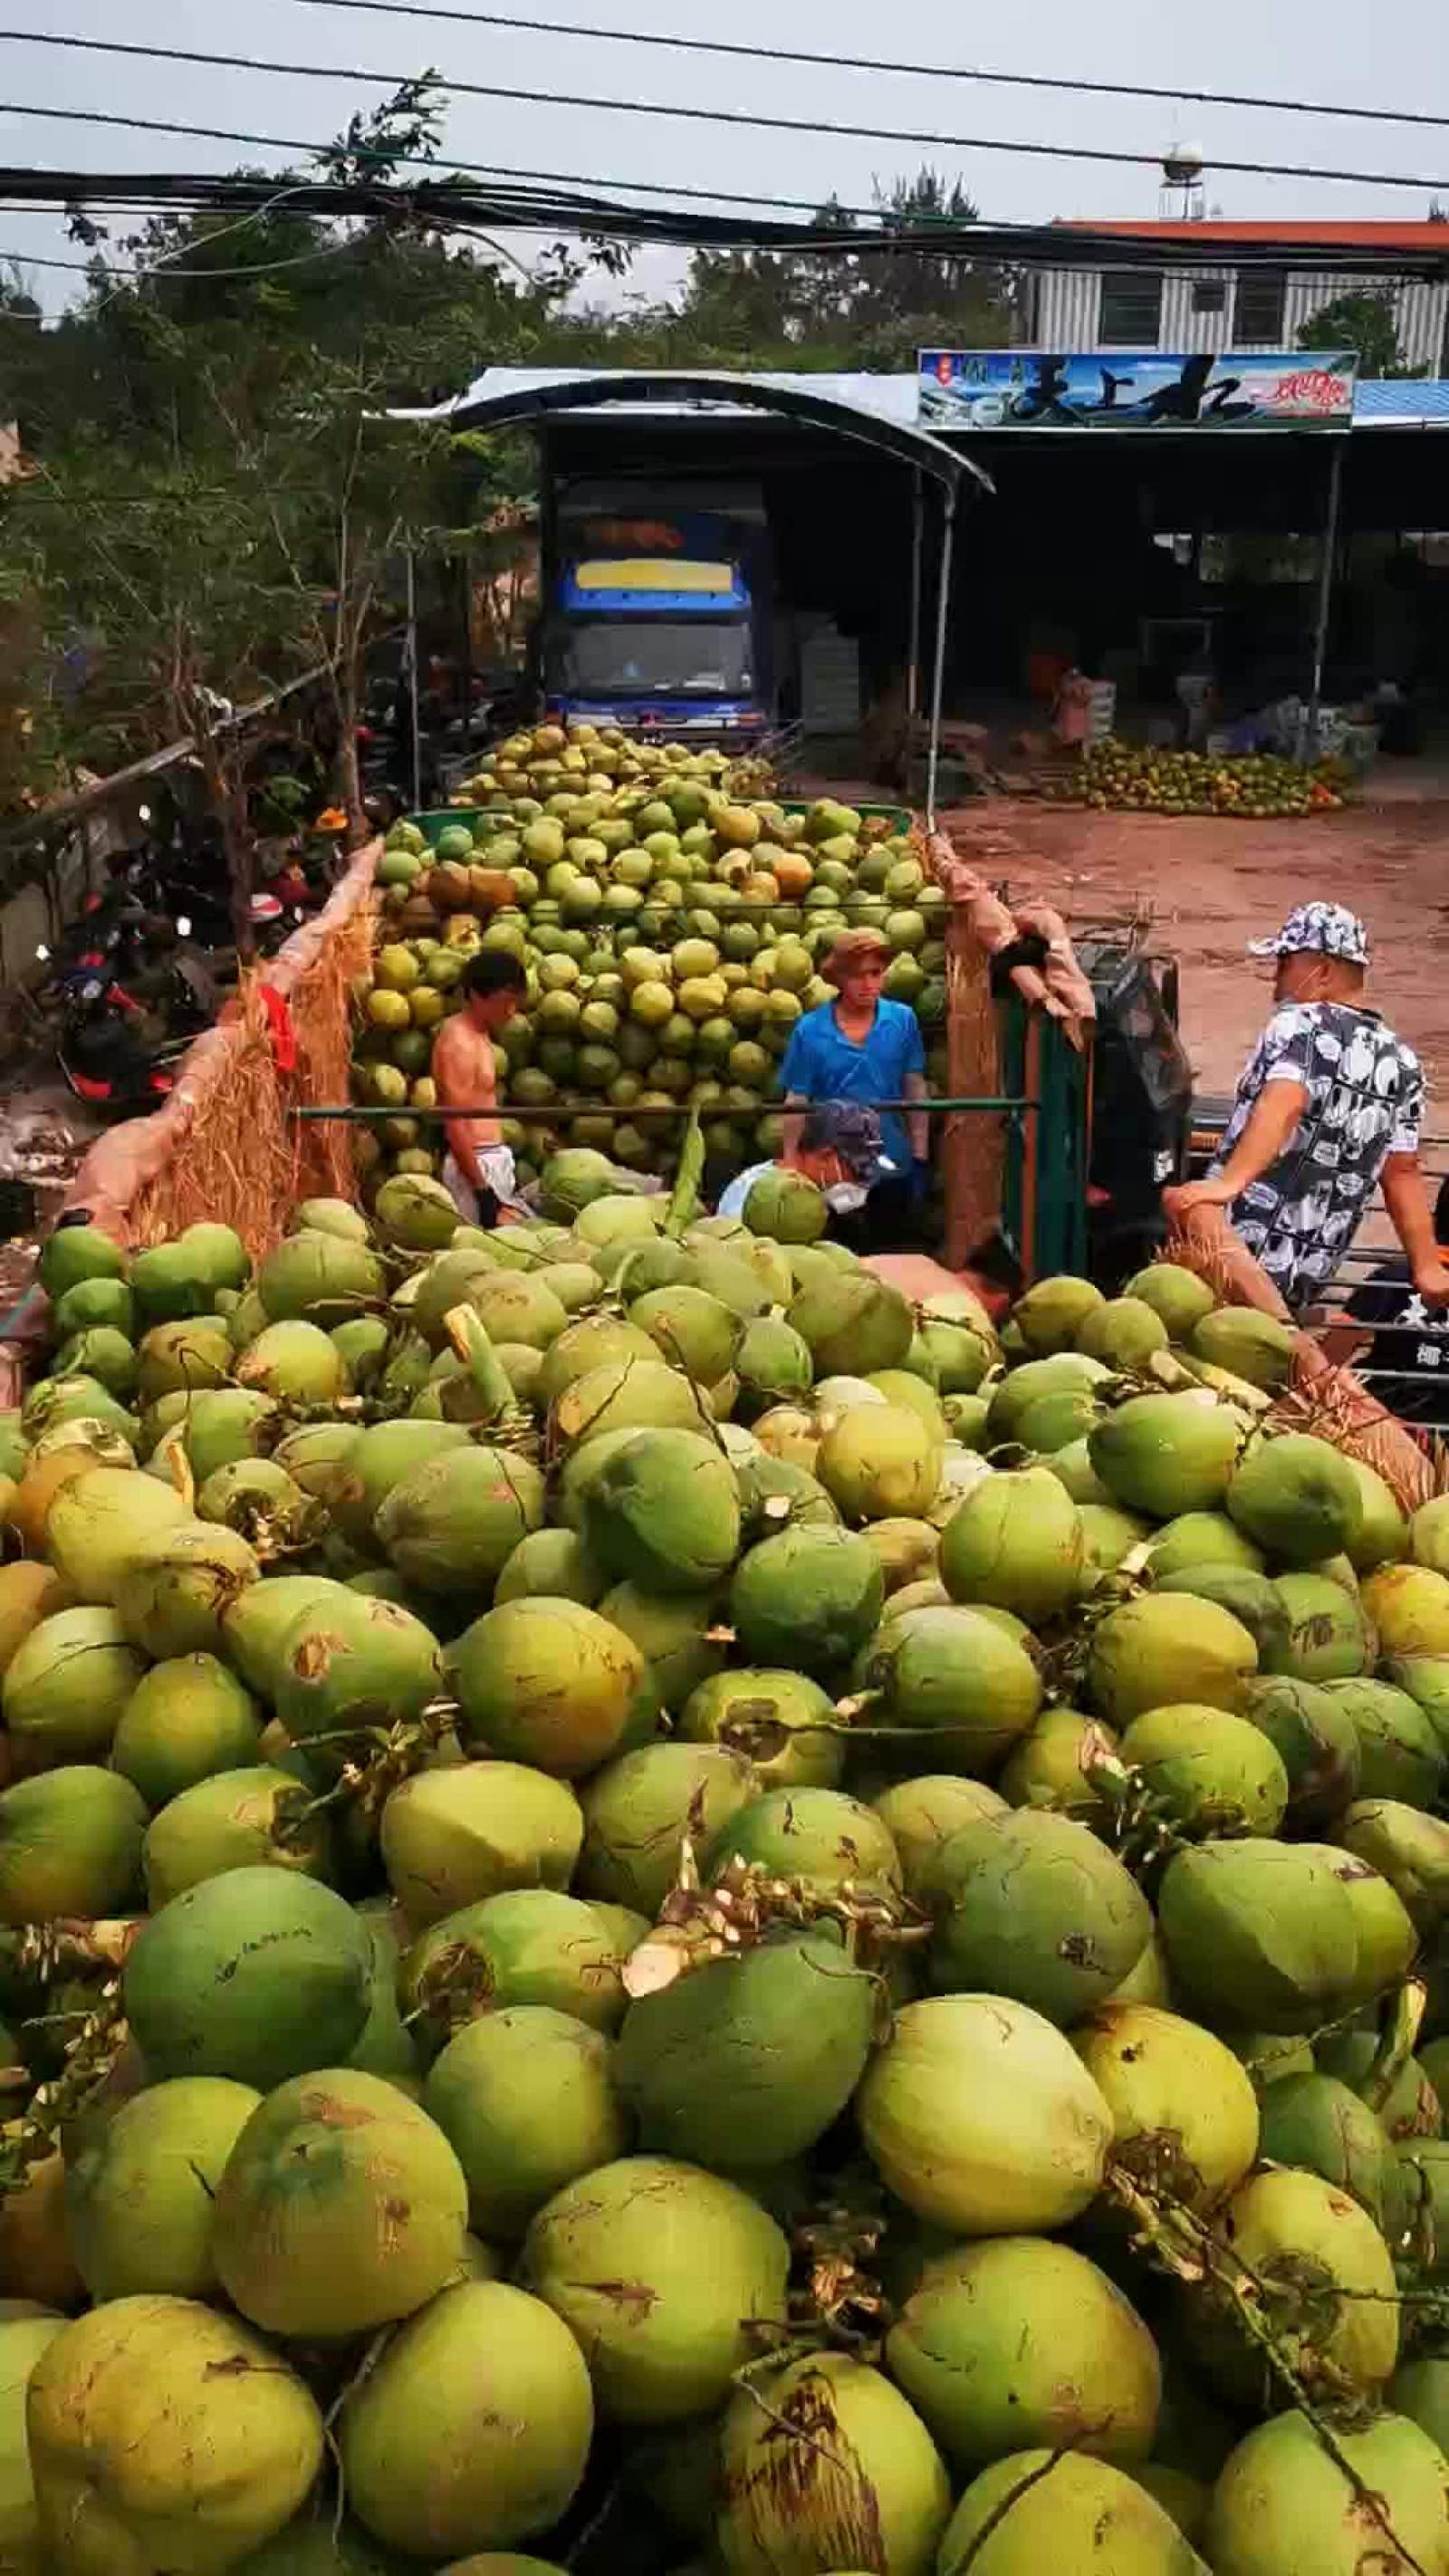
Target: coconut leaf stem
pixel 1397 2043
pixel 89 2061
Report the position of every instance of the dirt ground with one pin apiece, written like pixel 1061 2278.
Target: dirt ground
pixel 1210 885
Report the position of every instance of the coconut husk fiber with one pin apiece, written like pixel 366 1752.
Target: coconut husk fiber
pixel 1322 1397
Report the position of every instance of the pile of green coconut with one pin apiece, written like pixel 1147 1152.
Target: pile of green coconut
pixel 661 1912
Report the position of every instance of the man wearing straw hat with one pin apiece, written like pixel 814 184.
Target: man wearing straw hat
pixel 1329 1103
pixel 862 1048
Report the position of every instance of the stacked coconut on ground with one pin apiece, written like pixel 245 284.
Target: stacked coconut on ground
pixel 672 935
pixel 659 1911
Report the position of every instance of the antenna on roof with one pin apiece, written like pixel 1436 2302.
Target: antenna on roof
pixel 1182 195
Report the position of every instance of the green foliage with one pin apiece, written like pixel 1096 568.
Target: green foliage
pixel 1367 322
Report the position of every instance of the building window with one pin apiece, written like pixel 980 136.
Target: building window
pixel 1258 317
pixel 1209 295
pixel 1131 316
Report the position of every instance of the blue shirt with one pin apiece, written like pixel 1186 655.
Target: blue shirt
pixel 821 1064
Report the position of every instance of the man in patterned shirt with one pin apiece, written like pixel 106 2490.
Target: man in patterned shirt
pixel 1330 1103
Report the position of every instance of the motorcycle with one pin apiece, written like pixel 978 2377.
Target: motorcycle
pixel 104 1059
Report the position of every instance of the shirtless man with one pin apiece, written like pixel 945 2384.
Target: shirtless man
pixel 479 1167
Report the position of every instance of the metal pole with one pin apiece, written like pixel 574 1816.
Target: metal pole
pixel 1309 744
pixel 913 668
pixel 413 679
pixel 938 675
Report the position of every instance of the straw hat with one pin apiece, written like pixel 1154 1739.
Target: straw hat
pixel 852 948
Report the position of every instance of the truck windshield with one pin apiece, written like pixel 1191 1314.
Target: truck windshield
pixel 667 657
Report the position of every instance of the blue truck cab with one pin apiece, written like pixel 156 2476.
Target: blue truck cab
pixel 659 623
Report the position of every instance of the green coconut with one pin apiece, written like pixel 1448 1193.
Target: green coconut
pixel 1260 1933
pixel 447 1282
pixel 819 1836
pixel 1218 1774
pixel 908 1551
pixel 1383 1931
pixel 70 1845
pixel 528 2100
pixel 1167 1454
pixel 1066 2511
pixel 1253 1600
pixel 330 1216
pixel 1383 1532
pixel 1168 1649
pixel 640 1808
pixel 29 1592
pixel 1297 1498
pixel 1256 1348
pixel 1316 2123
pixel 186 1719
pixel 342 2208
pixel 384 2046
pixel 222 1424
pixel 664 1512
pixel 1056 1422
pixel 365 1344
pixel 453 1836
pixel 1020 2341
pixel 1109 1537
pixel 746 2062
pixel 594 1342
pixel 1400 1756
pixel 165 2435
pixel 98 1526
pixel 1053 1311
pixel 1284 2500
pixel 254 1626
pixel 1016 1541
pixel 1202 1538
pixel 415 1212
pixel 1409 1606
pixel 183 1358
pixel 257 1497
pixel 879 1460
pixel 383 1457
pixel 450 1526
pixel 295 1364
pixel 258 1975
pixel 1032 1905
pixel 1125 1332
pixel 773 1364
pixel 76 1252
pixel 852 1320
pixel 696 1332
pixel 25 2331
pixel 1410 2109
pixel 1049 1766
pixel 776 1720
pixel 553 1562
pixel 175 1597
pixel 221 1253
pixel 1329 1636
pixel 776 1494
pixel 678 1635
pixel 529 1945
pixel 314 1455
pixel 847 2463
pixel 234 1820
pixel 1070 1377
pixel 1183 2109
pixel 103 1354
pixel 957 1355
pixel 67 1685
pixel 628 1395
pixel 808 1597
pixel 141 2189
pixel 1409 1848
pixel 1290 2228
pixel 472 2431
pixel 786 1206
pixel 670 2350
pixel 548 1682
pixel 319 1278
pixel 958 1678
pixel 171 1281
pixel 1316 1741
pixel 1177 1295
pixel 349 1662
pixel 978 2114
pixel 1420 2390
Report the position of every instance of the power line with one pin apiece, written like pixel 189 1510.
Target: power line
pixel 874 63
pixel 165 261
pixel 757 123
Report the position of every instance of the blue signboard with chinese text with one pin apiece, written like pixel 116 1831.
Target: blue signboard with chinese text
pixel 981 389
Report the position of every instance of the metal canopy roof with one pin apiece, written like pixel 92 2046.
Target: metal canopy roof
pixel 533 396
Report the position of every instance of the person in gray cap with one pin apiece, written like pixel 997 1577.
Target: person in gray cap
pixel 1330 1103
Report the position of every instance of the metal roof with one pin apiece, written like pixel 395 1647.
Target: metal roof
pixel 850 405
pixel 883 401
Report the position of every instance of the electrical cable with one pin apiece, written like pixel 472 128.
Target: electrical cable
pixel 739 52
pixel 816 127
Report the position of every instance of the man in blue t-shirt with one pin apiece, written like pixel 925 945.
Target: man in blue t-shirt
pixel 861 1047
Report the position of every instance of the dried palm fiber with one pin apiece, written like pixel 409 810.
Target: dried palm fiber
pixel 1323 1398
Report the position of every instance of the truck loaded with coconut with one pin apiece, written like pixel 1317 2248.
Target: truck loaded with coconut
pixel 659 1910
pixel 658 605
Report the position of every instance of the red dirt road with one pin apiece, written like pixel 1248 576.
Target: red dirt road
pixel 1210 885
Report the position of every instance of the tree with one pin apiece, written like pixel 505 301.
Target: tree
pixel 1368 323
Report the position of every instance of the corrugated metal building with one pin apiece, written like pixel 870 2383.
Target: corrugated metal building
pixel 1262 306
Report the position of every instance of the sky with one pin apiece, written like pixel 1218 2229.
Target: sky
pixel 1263 46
